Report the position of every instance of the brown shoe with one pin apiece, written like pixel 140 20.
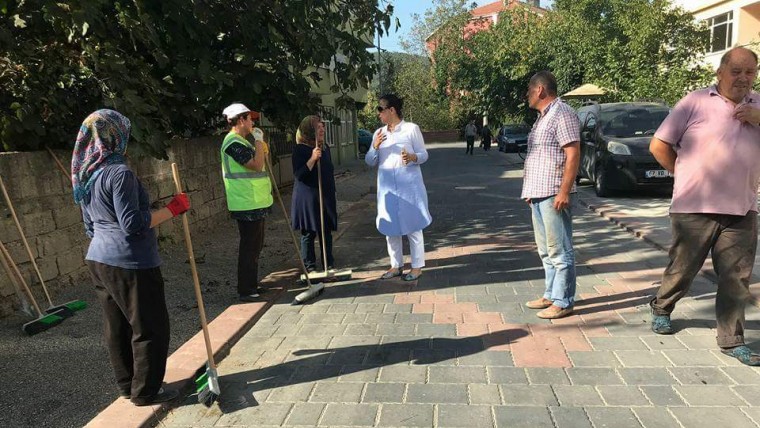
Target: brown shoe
pixel 554 312
pixel 540 303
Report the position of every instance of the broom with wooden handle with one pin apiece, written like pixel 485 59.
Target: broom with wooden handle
pixel 67 309
pixel 312 290
pixel 44 321
pixel 207 385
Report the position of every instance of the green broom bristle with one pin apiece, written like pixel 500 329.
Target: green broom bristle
pixel 76 305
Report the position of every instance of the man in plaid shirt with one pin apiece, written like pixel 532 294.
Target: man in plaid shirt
pixel 549 182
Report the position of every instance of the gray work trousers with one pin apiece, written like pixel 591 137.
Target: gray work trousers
pixel 733 241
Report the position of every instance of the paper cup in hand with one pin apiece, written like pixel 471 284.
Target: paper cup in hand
pixel 258 134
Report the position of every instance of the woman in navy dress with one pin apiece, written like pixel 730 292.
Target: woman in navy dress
pixel 310 149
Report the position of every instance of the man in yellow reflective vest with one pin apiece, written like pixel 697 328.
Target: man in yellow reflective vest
pixel 249 194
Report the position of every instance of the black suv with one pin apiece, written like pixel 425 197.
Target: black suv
pixel 615 146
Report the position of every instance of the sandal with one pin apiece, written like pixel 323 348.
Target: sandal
pixel 412 277
pixel 392 273
pixel 743 354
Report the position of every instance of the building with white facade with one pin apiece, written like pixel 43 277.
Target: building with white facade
pixel 731 23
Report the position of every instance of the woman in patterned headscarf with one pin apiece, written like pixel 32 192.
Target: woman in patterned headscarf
pixel 123 255
pixel 304 210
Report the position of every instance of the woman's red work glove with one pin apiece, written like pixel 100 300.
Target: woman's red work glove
pixel 179 204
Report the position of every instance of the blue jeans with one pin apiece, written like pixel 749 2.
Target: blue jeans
pixel 554 239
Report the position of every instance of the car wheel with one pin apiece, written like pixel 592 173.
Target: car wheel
pixel 601 187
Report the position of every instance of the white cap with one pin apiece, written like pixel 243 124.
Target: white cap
pixel 233 110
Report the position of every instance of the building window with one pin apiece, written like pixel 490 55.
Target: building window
pixel 721 31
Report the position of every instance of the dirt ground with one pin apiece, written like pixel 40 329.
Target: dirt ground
pixel 62 377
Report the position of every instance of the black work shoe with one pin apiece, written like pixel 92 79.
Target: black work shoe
pixel 162 396
pixel 253 297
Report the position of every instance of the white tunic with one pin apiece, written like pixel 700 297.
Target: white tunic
pixel 402 202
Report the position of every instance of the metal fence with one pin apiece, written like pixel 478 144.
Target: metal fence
pixel 280 140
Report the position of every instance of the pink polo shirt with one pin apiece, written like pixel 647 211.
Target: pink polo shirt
pixel 718 163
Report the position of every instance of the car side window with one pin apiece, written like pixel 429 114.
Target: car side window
pixel 590 124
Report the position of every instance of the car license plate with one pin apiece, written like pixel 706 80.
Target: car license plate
pixel 657 173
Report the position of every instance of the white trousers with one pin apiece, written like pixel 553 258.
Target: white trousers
pixel 416 248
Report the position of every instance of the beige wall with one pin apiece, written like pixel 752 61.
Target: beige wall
pixel 52 223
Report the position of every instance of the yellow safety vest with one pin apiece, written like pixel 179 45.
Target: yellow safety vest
pixel 246 189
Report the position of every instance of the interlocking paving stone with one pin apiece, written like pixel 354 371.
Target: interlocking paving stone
pixel 376 318
pixel 305 414
pixel 487 358
pixel 693 417
pixel 446 374
pixel 655 417
pixel 358 373
pixel 646 376
pixel 570 417
pixel 642 359
pixel 697 342
pixel 384 393
pixel 417 374
pixel 594 359
pixel 484 394
pixel 528 395
pixel 383 356
pixel 692 358
pixel 743 375
pixel 396 329
pixel 507 375
pixel 517 416
pixel 612 417
pixel 593 376
pixel 429 393
pixel 292 393
pixel 705 395
pixel 451 415
pixel 369 308
pixel 413 318
pixel 354 318
pixel 700 376
pixel 406 415
pixel 337 392
pixel 577 395
pixel 360 330
pixel 661 395
pixel 441 357
pixel 349 415
pixel 617 344
pixel 547 376
pixel 622 395
pixel 342 308
pixel 436 330
pixel 660 342
pixel 394 309
pixel 263 414
pixel 750 394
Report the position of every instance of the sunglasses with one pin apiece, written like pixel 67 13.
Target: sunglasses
pixel 381 109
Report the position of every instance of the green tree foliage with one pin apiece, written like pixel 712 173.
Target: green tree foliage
pixel 423 103
pixel 172 65
pixel 637 49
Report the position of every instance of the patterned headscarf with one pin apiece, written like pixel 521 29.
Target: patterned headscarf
pixel 102 141
pixel 307 130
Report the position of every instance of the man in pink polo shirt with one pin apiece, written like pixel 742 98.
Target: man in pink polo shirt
pixel 711 143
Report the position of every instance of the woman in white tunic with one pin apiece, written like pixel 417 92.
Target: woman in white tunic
pixel 398 150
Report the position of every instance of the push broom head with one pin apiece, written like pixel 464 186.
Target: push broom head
pixel 41 324
pixel 207 387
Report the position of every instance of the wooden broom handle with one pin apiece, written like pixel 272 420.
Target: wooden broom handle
pixel 287 220
pixel 57 161
pixel 194 270
pixel 6 260
pixel 23 238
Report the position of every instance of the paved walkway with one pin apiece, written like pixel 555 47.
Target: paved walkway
pixel 459 348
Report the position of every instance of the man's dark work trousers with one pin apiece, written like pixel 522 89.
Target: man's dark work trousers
pixel 470 145
pixel 733 241
pixel 307 248
pixel 251 243
pixel 136 325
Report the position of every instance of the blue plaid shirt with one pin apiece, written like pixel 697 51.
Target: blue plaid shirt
pixel 556 127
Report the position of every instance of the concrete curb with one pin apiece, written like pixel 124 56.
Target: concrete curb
pixel 186 363
pixel 635 228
